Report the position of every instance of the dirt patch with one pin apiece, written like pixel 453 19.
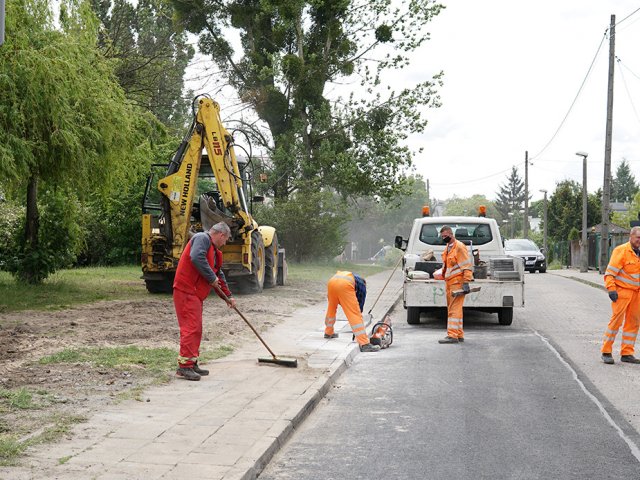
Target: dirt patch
pixel 80 389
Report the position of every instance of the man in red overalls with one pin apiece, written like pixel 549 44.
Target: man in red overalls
pixel 199 269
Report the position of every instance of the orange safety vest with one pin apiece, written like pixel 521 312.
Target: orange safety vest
pixel 623 270
pixel 456 262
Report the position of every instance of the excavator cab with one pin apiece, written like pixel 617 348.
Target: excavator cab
pixel 204 184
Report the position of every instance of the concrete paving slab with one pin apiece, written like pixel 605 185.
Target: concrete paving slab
pixel 225 427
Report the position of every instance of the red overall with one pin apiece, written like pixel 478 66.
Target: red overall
pixel 190 289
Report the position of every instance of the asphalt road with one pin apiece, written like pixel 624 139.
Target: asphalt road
pixel 506 404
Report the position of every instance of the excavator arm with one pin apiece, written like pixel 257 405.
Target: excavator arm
pixel 180 187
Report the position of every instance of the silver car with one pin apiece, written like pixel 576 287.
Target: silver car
pixel 533 258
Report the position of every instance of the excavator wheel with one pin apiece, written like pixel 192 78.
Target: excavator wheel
pixel 164 285
pixel 271 263
pixel 255 282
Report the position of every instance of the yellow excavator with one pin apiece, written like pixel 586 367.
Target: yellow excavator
pixel 202 185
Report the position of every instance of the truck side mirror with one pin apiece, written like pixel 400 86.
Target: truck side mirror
pixel 400 243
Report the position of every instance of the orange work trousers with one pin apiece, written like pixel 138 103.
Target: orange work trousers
pixel 341 291
pixel 625 310
pixel 454 308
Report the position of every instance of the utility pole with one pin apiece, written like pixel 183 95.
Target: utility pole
pixel 428 197
pixel 606 193
pixel 584 258
pixel 525 226
pixel 546 228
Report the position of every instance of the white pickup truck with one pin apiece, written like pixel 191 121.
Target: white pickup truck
pixel 500 277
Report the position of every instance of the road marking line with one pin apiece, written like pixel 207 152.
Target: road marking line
pixel 635 451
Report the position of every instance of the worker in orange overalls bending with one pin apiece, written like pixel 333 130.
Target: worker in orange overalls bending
pixel 349 291
pixel 457 269
pixel 622 280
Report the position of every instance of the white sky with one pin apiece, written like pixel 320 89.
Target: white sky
pixel 512 70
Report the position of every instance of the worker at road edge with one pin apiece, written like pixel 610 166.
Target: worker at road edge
pixel 349 291
pixel 457 269
pixel 622 281
pixel 199 270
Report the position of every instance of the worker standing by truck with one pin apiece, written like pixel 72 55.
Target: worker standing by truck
pixel 349 291
pixel 622 281
pixel 199 270
pixel 457 270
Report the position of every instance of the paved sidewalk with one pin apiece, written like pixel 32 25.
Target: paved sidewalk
pixel 228 425
pixel 592 277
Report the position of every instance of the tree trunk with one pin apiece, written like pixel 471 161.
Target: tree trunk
pixel 33 217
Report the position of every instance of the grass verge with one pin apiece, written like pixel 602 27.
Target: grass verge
pixel 67 288
pixel 71 287
pixel 14 440
pixel 154 360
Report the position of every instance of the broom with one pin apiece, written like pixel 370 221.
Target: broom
pixel 285 362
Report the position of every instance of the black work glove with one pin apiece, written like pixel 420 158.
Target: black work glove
pixel 613 295
pixel 465 288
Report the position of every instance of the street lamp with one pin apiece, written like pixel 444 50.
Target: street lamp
pixel 544 220
pixel 584 260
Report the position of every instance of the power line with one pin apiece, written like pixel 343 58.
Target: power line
pixel 475 180
pixel 626 88
pixel 595 57
pixel 630 15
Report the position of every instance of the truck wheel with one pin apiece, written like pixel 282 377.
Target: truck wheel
pixel 413 315
pixel 271 263
pixel 505 316
pixel 255 282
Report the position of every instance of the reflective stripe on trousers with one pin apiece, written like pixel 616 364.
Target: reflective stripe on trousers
pixel 625 313
pixel 341 291
pixel 454 310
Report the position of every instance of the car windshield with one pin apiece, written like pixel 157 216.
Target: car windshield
pixel 520 245
pixel 475 233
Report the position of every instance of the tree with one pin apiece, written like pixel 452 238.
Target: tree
pixel 291 52
pixel 510 200
pixel 65 127
pixel 565 209
pixel 469 206
pixel 151 55
pixel 623 186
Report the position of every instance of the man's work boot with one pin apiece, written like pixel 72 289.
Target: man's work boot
pixel 369 348
pixel 461 339
pixel 448 339
pixel 629 359
pixel 200 371
pixel 187 374
pixel 333 335
pixel 608 358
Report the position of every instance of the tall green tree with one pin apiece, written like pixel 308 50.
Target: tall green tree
pixel 151 55
pixel 291 52
pixel 565 209
pixel 65 125
pixel 510 200
pixel 624 186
